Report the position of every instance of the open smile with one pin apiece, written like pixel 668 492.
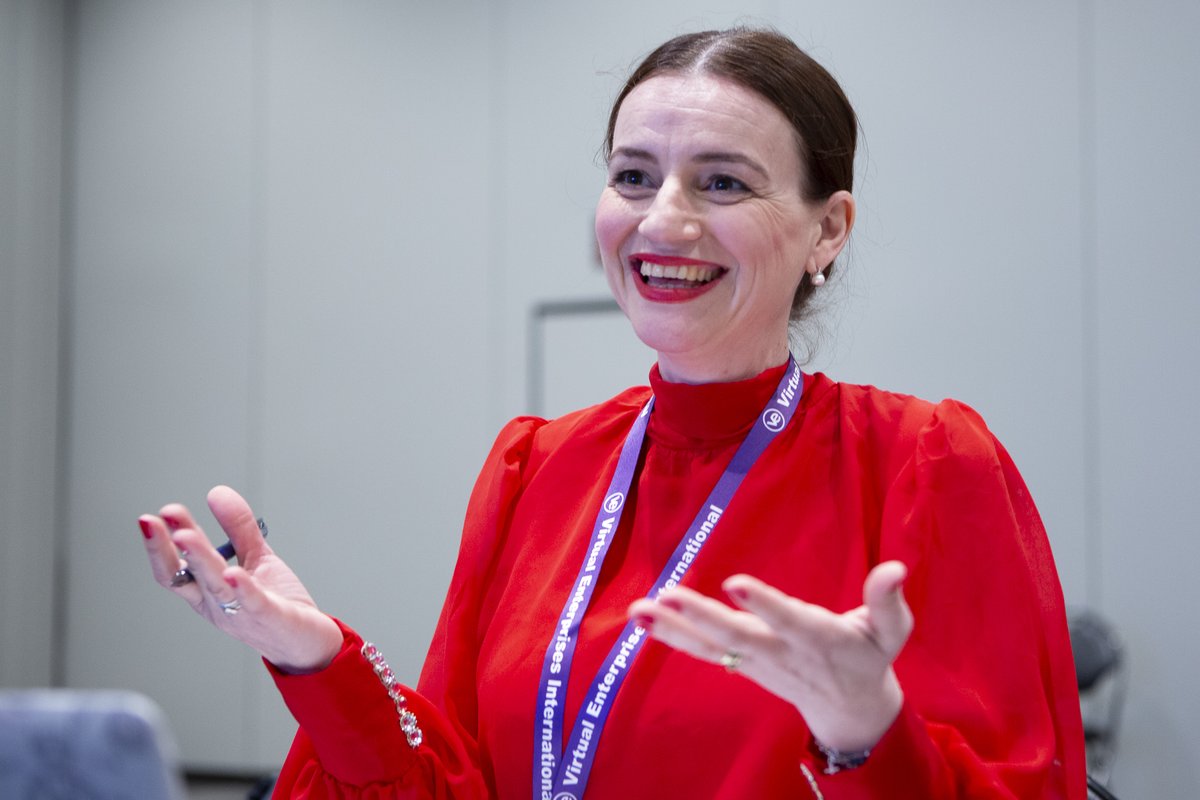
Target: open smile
pixel 670 279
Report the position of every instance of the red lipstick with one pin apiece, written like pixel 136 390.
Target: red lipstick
pixel 671 290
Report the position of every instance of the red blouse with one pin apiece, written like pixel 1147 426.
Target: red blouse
pixel 858 477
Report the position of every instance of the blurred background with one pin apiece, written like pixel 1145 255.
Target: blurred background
pixel 321 251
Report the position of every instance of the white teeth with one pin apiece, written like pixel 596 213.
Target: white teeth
pixel 689 272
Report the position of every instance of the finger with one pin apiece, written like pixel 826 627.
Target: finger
pixel 237 520
pixel 727 627
pixel 249 594
pixel 206 564
pixel 241 596
pixel 782 612
pixel 164 557
pixel 888 614
pixel 176 516
pixel 672 628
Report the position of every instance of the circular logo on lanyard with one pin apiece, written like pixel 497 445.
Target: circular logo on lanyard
pixel 565 796
pixel 773 419
pixel 611 504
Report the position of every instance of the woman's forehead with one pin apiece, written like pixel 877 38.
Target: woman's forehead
pixel 699 112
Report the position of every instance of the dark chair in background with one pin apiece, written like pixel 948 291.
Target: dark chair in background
pixel 1101 671
pixel 1097 791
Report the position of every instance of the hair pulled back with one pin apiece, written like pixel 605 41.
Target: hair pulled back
pixel 770 64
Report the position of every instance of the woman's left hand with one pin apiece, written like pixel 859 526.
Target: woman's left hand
pixel 835 668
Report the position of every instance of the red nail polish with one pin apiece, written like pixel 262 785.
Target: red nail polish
pixel 172 521
pixel 644 622
pixel 671 603
pixel 232 581
pixel 147 531
pixel 738 593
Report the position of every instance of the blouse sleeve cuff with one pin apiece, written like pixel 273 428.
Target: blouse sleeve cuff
pixel 904 764
pixel 363 725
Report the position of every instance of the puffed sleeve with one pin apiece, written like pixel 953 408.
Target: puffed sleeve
pixel 355 738
pixel 991 704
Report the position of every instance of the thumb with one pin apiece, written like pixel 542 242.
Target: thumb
pixel 888 612
pixel 237 520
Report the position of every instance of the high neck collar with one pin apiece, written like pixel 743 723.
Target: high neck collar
pixel 705 415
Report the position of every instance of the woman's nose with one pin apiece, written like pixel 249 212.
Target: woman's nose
pixel 671 217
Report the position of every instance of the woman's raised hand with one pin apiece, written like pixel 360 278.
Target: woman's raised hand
pixel 835 668
pixel 260 601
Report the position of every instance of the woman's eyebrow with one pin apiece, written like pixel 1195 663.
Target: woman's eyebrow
pixel 711 157
pixel 632 152
pixel 726 158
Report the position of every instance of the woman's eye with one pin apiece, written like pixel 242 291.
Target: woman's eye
pixel 632 183
pixel 629 177
pixel 726 183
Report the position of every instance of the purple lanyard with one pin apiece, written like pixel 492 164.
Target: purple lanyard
pixel 565 777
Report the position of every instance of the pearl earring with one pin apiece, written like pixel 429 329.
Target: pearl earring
pixel 818 279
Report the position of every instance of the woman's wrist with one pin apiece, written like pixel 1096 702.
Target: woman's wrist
pixel 316 652
pixel 859 727
pixel 840 760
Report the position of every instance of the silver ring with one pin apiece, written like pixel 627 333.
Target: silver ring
pixel 731 659
pixel 232 607
pixel 182 577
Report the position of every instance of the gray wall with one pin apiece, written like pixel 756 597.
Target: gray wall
pixel 300 243
pixel 31 102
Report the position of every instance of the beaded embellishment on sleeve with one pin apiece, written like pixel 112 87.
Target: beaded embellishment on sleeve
pixel 408 720
pixel 812 782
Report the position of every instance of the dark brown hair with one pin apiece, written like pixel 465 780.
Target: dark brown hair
pixel 770 64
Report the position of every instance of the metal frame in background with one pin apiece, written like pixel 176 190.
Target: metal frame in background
pixel 539 313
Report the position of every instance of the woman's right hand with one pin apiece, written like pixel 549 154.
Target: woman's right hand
pixel 275 613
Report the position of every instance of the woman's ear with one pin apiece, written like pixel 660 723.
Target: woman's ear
pixel 836 220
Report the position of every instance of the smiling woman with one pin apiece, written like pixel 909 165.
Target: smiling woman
pixel 705 176
pixel 740 581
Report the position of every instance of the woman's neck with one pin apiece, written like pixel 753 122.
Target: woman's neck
pixel 685 368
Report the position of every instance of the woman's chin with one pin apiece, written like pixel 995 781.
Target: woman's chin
pixel 667 339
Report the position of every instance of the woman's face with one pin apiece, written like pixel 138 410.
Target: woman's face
pixel 702 228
